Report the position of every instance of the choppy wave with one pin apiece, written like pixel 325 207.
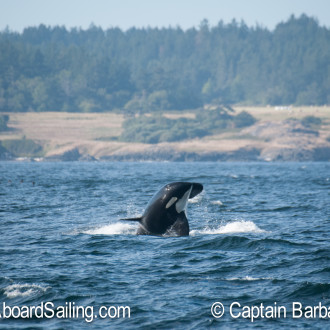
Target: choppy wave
pixel 196 199
pixel 118 228
pixel 63 242
pixel 217 203
pixel 23 290
pixel 249 278
pixel 307 289
pixel 240 226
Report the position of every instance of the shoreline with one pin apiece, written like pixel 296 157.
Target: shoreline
pixel 278 135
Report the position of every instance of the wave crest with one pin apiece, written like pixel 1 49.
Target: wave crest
pixel 218 202
pixel 249 278
pixel 23 290
pixel 240 226
pixel 117 228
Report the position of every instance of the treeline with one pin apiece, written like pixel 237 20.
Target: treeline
pixel 53 69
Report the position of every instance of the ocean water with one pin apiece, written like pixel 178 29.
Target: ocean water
pixel 259 237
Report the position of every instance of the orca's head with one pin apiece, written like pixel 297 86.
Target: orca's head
pixel 176 194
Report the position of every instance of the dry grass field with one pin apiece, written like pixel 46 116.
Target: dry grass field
pixel 58 132
pixel 94 133
pixel 282 113
pixel 45 126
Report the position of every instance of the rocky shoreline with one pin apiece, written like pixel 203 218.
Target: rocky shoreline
pixel 241 155
pixel 161 155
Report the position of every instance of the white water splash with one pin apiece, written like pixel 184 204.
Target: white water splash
pixel 118 228
pixel 196 199
pixel 248 278
pixel 241 226
pixel 23 290
pixel 217 203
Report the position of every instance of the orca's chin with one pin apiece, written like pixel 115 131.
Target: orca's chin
pixel 197 188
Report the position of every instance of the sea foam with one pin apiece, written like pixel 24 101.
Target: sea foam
pixel 240 226
pixel 118 228
pixel 197 199
pixel 23 290
pixel 121 228
pixel 249 278
pixel 218 202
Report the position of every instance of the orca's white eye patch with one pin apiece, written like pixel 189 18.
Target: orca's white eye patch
pixel 171 202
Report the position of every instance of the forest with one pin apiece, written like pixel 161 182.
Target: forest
pixel 155 69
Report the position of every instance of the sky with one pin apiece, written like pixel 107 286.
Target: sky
pixel 19 14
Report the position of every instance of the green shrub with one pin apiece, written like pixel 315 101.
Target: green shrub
pixel 311 121
pixel 3 122
pixel 243 119
pixel 155 129
pixel 22 148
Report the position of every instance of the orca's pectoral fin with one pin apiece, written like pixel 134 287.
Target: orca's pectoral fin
pixel 132 219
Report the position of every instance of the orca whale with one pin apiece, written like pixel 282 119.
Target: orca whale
pixel 165 214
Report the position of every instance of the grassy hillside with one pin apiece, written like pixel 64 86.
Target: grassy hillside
pixel 97 134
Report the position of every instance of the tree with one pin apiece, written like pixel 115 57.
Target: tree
pixel 3 122
pixel 52 68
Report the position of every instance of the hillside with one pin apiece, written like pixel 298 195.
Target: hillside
pixel 279 134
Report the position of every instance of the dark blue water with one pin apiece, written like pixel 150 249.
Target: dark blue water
pixel 259 235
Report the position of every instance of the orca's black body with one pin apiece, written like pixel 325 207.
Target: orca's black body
pixel 166 212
